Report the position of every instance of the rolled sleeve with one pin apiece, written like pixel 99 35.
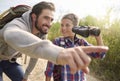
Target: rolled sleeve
pixel 96 54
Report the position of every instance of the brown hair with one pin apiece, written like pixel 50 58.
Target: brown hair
pixel 71 17
pixel 37 9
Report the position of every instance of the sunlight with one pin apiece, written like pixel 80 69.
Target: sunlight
pixel 82 8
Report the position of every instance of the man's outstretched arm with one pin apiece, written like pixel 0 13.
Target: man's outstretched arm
pixel 77 57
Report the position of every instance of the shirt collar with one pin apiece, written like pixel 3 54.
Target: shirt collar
pixel 67 39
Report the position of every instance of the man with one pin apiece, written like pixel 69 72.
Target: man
pixel 22 35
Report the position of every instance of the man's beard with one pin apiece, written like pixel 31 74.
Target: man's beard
pixel 40 28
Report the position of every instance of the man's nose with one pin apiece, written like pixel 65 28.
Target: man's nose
pixel 49 24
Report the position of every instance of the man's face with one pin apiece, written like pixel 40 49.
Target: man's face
pixel 44 21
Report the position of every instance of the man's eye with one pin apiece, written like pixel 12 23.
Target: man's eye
pixel 48 18
pixel 52 19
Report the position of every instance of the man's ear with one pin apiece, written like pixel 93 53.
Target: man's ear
pixel 33 17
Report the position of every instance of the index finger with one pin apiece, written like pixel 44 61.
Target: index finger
pixel 89 49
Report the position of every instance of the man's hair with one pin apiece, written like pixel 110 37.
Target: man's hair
pixel 37 9
pixel 72 17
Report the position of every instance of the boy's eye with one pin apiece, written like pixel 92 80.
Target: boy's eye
pixel 67 25
pixel 61 25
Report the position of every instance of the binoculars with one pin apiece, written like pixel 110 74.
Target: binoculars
pixel 86 31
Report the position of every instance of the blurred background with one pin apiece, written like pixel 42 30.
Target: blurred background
pixel 104 14
pixel 96 8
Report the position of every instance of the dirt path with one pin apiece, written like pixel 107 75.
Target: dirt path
pixel 38 72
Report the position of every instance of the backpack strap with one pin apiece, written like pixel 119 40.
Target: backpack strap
pixel 12 13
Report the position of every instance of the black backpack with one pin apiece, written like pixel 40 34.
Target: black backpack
pixel 11 13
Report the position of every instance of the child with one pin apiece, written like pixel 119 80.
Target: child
pixel 69 39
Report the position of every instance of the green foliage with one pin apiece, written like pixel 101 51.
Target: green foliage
pixel 89 21
pixel 92 21
pixel 111 63
pixel 54 31
pixel 108 68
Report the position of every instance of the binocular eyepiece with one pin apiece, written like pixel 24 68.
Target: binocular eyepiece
pixel 86 31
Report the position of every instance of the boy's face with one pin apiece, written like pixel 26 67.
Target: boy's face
pixel 44 21
pixel 66 28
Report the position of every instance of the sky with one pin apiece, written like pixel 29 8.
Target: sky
pixel 82 8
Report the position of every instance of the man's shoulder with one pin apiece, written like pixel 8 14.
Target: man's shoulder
pixel 18 23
